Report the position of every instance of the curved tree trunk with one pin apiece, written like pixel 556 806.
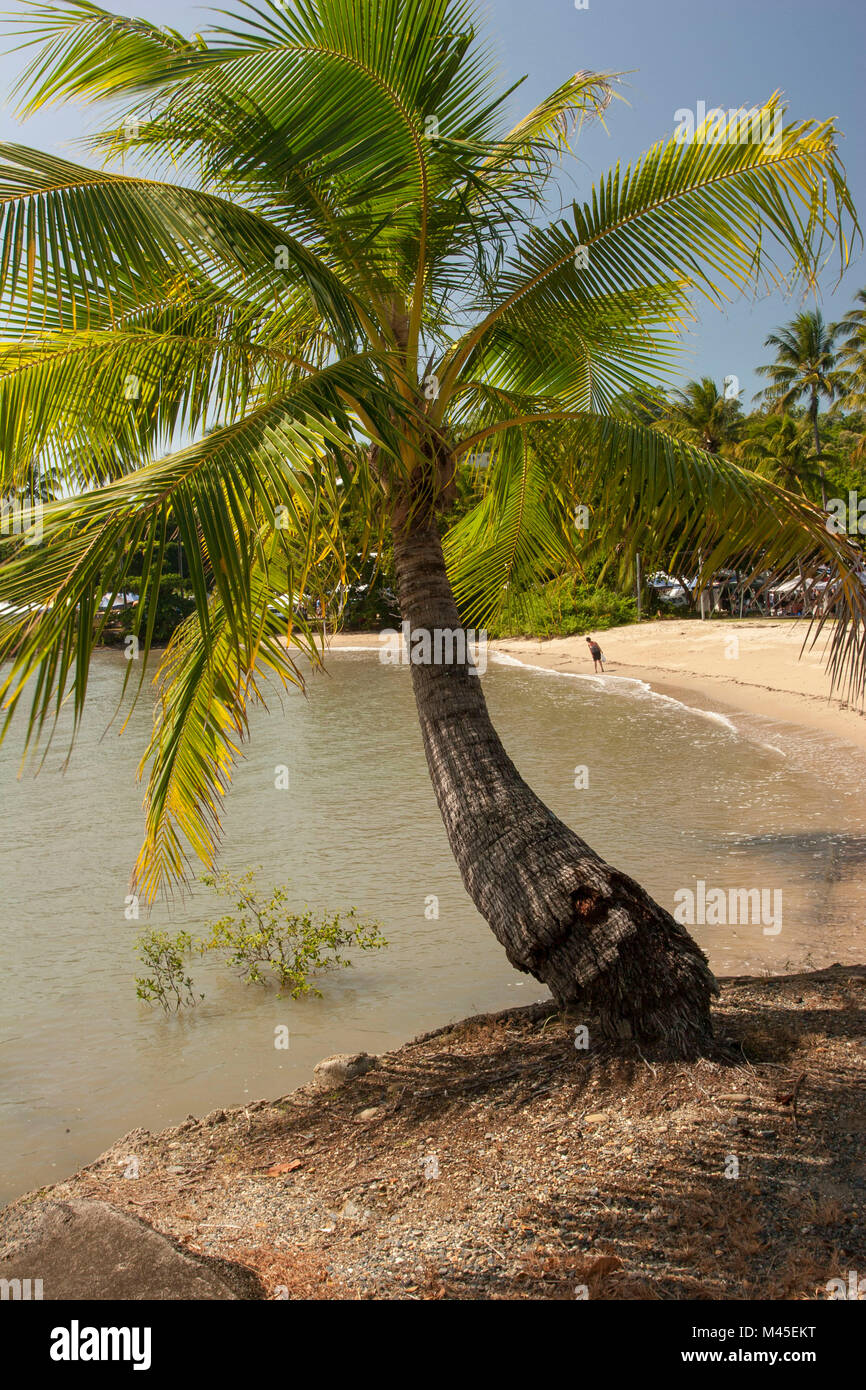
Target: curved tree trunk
pixel 816 438
pixel 589 932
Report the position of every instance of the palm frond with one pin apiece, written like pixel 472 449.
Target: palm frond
pixel 654 493
pixel 704 217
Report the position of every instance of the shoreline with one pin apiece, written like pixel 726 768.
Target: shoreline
pixel 562 1174
pixel 686 660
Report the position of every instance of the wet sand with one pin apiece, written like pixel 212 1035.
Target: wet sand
pixel 757 667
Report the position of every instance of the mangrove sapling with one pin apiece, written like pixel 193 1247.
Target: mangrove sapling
pixel 265 940
pixel 269 939
pixel 169 984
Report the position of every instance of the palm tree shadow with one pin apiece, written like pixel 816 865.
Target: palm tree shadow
pixel 735 1176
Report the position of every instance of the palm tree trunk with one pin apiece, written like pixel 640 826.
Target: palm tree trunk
pixel 813 411
pixel 563 915
pixel 691 600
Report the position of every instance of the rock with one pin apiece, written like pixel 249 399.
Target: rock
pixel 342 1068
pixel 350 1211
pixel 90 1250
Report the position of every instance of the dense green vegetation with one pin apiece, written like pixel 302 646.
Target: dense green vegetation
pixel 562 607
pixel 776 438
pixel 785 438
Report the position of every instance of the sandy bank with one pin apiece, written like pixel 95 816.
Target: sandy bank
pixel 752 666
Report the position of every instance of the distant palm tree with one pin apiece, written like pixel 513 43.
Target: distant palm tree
pixel 806 365
pixel 779 447
pixel 705 416
pixel 852 353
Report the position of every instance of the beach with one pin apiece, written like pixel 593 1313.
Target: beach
pixel 756 667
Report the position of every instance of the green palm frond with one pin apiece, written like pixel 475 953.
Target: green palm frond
pixel 651 491
pixel 186 372
pixel 89 52
pixel 853 352
pixel 201 719
pixel 223 496
pixel 698 217
pixel 513 537
pixel 79 248
pixel 806 363
pixel 328 291
pixel 702 414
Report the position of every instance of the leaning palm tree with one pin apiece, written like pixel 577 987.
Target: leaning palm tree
pixel 337 257
pixel 806 365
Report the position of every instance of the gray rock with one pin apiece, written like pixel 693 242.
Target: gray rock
pixel 90 1250
pixel 342 1068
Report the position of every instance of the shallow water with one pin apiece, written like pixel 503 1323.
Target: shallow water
pixel 674 796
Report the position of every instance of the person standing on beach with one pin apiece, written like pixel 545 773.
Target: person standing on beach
pixel 596 654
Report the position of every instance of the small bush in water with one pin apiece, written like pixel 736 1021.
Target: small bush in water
pixel 165 955
pixel 265 939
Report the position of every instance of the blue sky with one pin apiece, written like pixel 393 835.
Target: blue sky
pixel 675 53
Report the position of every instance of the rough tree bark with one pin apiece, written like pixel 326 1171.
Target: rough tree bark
pixel 589 932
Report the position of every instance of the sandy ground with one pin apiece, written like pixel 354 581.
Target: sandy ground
pixel 754 666
pixel 493 1159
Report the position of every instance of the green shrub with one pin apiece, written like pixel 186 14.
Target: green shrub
pixel 266 939
pixel 169 984
pixel 371 606
pixel 174 602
